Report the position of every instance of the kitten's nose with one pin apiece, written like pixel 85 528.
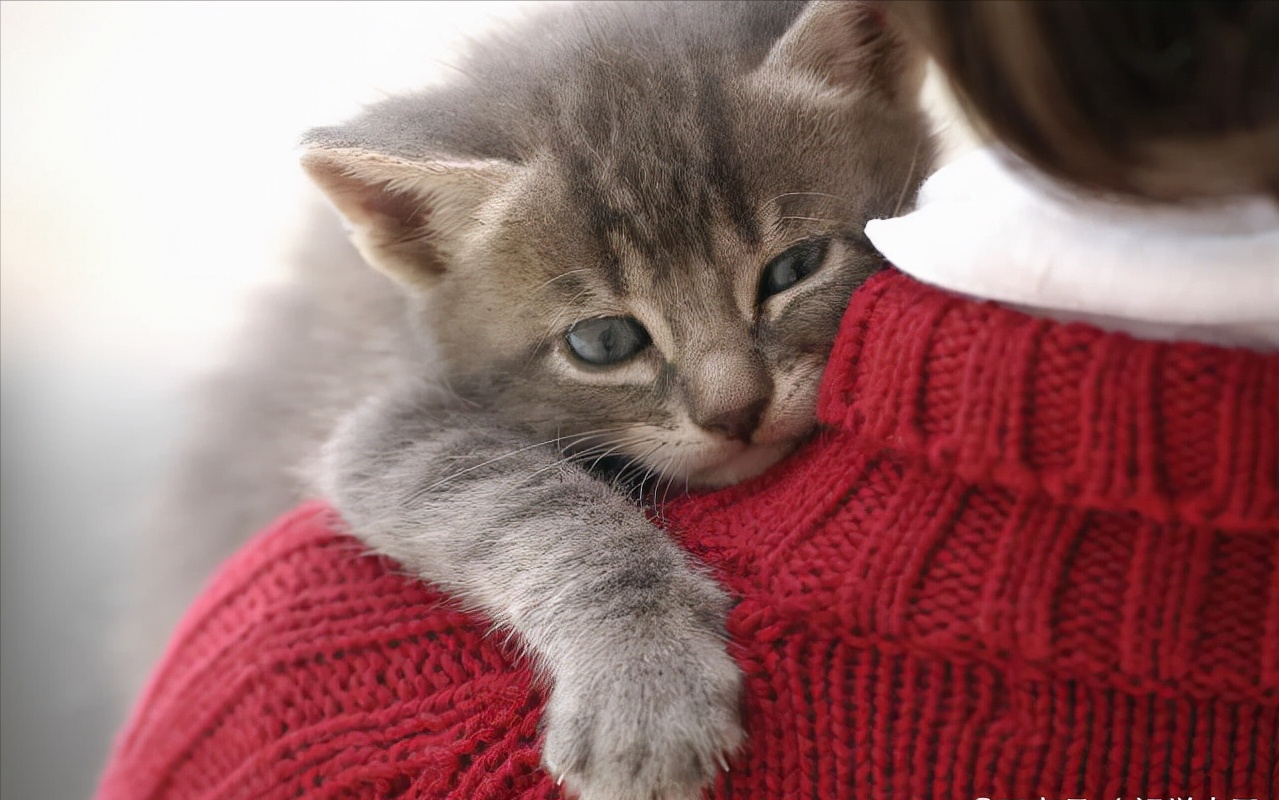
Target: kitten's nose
pixel 736 423
pixel 726 388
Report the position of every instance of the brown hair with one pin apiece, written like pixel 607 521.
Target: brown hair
pixel 1158 100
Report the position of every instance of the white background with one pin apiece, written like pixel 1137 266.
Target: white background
pixel 148 181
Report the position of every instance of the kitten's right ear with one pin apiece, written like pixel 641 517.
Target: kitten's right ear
pixel 851 45
pixel 408 218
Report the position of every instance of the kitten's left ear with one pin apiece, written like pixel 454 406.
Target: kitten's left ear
pixel 851 45
pixel 408 218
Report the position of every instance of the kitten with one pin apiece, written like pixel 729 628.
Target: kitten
pixel 619 244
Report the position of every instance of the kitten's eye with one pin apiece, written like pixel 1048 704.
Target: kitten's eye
pixel 791 267
pixel 608 340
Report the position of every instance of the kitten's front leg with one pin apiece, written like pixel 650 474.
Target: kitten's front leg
pixel 644 702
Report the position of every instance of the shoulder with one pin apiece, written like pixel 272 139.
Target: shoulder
pixel 305 663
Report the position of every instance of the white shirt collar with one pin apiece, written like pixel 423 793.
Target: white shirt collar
pixel 1205 273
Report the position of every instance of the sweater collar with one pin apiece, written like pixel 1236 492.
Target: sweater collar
pixel 1175 431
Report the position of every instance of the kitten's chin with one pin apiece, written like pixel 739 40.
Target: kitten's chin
pixel 742 466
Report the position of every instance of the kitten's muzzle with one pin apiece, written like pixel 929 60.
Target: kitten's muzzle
pixel 745 464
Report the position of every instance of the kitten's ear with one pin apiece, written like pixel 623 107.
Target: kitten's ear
pixel 407 218
pixel 851 45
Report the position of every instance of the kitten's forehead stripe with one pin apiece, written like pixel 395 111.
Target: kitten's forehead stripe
pixel 656 177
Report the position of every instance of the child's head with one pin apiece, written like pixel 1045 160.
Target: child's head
pixel 1159 100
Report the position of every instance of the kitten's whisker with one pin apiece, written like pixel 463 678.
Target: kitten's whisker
pixel 443 382
pixel 601 451
pixel 598 453
pixel 417 495
pixel 809 219
pixel 666 489
pixel 910 176
pixel 573 439
pixel 574 449
pixel 556 325
pixel 563 275
pixel 650 471
pixel 840 198
pixel 553 465
pixel 605 455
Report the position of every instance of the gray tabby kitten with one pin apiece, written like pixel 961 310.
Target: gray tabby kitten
pixel 612 252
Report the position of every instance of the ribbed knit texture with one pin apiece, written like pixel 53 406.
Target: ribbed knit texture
pixel 1025 559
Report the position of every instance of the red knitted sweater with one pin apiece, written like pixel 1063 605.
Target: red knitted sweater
pixel 1026 559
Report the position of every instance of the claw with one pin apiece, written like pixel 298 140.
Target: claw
pixel 723 763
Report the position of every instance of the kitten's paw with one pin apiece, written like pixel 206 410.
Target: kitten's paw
pixel 654 723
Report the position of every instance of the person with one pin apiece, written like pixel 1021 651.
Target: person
pixel 1034 551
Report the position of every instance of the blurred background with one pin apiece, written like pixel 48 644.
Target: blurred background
pixel 148 184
